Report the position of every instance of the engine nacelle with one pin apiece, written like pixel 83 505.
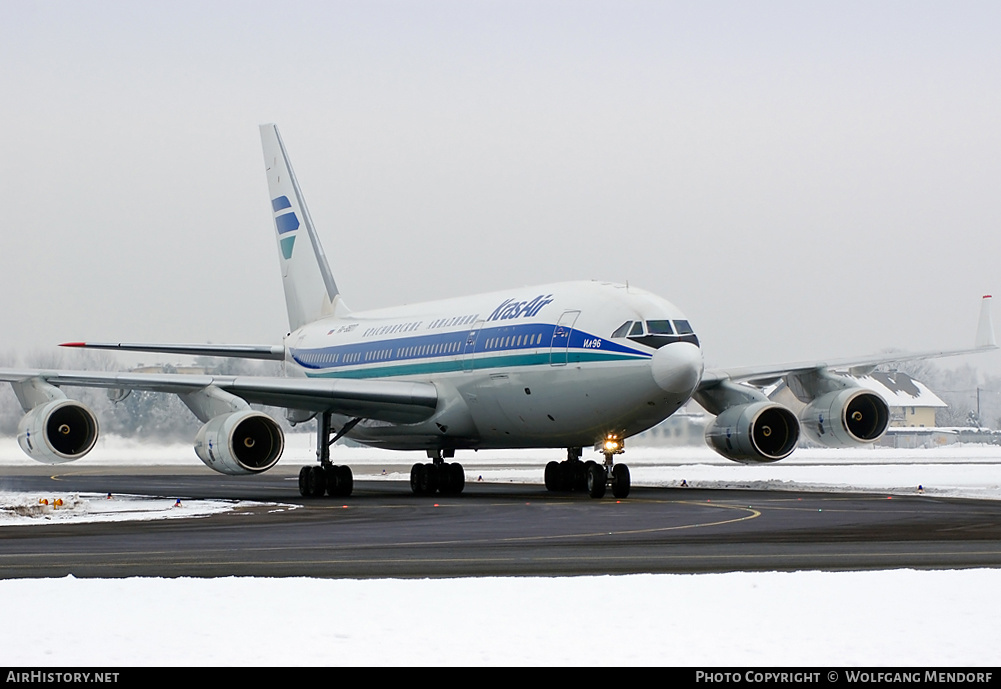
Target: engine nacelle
pixel 244 442
pixel 844 418
pixel 62 430
pixel 754 433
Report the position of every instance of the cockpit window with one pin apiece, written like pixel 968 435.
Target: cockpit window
pixel 683 328
pixel 637 329
pixel 659 327
pixel 622 329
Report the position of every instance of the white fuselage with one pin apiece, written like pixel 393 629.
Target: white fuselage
pixel 531 367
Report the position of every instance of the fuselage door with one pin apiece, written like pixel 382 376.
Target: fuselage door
pixel 561 338
pixel 469 346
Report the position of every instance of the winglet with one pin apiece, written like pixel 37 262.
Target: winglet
pixel 985 329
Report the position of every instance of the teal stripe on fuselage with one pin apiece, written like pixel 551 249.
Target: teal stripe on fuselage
pixel 419 349
pixel 476 364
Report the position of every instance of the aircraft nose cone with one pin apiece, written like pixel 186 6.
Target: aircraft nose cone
pixel 677 367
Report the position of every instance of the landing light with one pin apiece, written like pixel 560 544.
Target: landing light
pixel 612 444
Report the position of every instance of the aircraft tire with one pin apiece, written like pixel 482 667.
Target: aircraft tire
pixel 596 482
pixel 566 476
pixel 457 478
pixel 304 482
pixel 331 480
pixel 416 478
pixel 340 481
pixel 620 481
pixel 552 476
pixel 429 479
pixel 316 483
pixel 444 472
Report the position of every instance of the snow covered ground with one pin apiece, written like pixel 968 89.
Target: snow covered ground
pixel 909 618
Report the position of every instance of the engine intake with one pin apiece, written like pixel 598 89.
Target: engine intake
pixel 754 433
pixel 59 431
pixel 244 442
pixel 845 418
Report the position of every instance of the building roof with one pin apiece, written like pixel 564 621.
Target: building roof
pixel 900 390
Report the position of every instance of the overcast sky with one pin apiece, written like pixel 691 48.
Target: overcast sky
pixel 802 179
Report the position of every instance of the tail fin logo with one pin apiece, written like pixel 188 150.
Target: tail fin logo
pixel 286 224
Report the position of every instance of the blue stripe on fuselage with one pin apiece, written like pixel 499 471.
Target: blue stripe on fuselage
pixel 534 340
pixel 450 365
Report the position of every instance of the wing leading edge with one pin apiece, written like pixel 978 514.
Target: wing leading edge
pixel 390 401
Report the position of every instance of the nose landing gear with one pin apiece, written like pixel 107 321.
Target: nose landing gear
pixel 575 475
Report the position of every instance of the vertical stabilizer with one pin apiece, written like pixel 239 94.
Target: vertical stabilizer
pixel 310 290
pixel 985 328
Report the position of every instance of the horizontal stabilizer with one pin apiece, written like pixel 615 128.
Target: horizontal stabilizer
pixel 274 352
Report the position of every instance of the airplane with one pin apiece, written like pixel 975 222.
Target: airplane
pixel 569 365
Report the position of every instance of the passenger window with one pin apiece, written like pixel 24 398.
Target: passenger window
pixel 659 327
pixel 622 330
pixel 637 329
pixel 683 328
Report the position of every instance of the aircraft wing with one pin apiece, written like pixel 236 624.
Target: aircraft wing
pixel 392 401
pixel 272 352
pixel 765 375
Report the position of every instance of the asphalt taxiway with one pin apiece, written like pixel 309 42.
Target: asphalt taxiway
pixel 382 530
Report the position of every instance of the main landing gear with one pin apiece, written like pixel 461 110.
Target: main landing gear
pixel 574 475
pixel 438 476
pixel 335 481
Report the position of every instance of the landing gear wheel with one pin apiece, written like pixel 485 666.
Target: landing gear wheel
pixel 347 480
pixel 596 481
pixel 429 480
pixel 447 478
pixel 316 482
pixel 331 480
pixel 340 481
pixel 444 478
pixel 583 487
pixel 304 482
pixel 553 476
pixel 424 479
pixel 416 478
pixel 578 475
pixel 572 475
pixel 457 478
pixel 620 481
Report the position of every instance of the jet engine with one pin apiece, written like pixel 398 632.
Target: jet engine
pixel 243 442
pixel 754 433
pixel 847 417
pixel 61 430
